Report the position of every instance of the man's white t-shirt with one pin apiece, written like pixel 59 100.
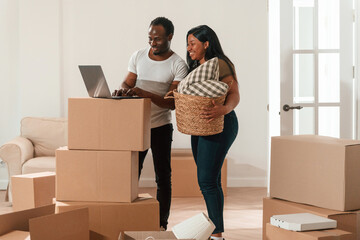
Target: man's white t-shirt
pixel 156 77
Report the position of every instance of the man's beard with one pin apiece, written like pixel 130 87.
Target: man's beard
pixel 160 51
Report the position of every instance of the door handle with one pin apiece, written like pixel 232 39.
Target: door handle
pixel 286 107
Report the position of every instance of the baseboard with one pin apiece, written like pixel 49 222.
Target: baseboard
pixel 232 182
pixel 247 182
pixel 3 184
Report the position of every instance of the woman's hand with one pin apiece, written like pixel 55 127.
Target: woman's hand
pixel 216 110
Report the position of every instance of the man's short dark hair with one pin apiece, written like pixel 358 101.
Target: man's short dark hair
pixel 166 23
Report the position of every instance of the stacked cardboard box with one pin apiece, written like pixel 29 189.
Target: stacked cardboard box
pixel 346 221
pixel 318 175
pixel 184 176
pixel 99 169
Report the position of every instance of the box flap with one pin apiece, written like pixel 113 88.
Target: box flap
pixel 35 175
pixel 273 233
pixel 142 199
pixel 71 225
pixel 16 235
pixel 20 220
pixel 130 235
pixel 318 139
pixel 143 196
pixel 310 209
pixel 142 235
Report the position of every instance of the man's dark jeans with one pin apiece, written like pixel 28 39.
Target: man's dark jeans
pixel 161 139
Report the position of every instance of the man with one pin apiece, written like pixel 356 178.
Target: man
pixel 153 72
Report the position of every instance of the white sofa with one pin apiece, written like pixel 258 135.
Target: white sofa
pixel 34 150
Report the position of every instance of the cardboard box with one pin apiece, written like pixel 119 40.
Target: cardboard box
pixel 275 233
pixel 32 190
pixel 346 221
pixel 316 170
pixel 142 235
pixel 43 224
pixel 107 220
pixel 107 176
pixel 16 235
pixel 184 174
pixel 109 124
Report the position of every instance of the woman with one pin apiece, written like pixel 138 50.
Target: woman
pixel 210 151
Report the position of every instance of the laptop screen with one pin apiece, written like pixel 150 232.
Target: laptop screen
pixel 95 81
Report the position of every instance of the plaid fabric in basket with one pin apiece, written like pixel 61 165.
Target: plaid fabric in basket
pixel 204 81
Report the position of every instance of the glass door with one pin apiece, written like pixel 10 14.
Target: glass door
pixel 316 59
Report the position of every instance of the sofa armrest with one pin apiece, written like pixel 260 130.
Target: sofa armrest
pixel 14 153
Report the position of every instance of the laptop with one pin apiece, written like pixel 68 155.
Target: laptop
pixel 96 84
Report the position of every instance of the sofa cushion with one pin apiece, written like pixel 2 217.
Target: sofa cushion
pixel 46 134
pixel 39 164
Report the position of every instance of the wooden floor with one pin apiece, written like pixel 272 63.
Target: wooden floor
pixel 242 211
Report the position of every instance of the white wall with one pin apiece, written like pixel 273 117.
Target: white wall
pixel 9 105
pixel 39 58
pixel 9 90
pixel 29 62
pixel 58 35
pixel 357 69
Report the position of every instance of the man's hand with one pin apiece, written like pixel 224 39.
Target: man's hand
pixel 136 92
pixel 120 92
pixel 130 92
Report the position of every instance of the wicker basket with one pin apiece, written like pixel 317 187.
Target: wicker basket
pixel 188 121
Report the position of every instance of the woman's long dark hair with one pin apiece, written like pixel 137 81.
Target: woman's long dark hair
pixel 204 33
